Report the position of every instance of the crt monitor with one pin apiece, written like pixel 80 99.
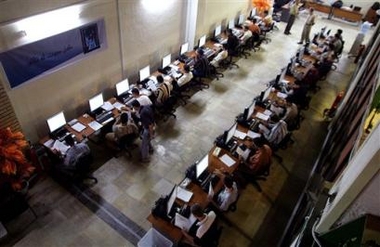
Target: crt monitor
pixel 144 73
pixel 202 41
pixel 231 23
pixel 241 19
pixel 173 196
pixel 248 111
pixel 201 166
pixel 166 60
pixel 96 102
pixel 184 48
pixel 56 122
pixel 266 94
pixel 122 87
pixel 218 30
pixel 230 133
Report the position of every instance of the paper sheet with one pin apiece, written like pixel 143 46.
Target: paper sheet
pixel 262 116
pixel 107 106
pixel 60 147
pixel 251 134
pixel 282 95
pixel 152 85
pixel 239 134
pixel 210 191
pixel 184 194
pixel 227 160
pixel 49 143
pixel 95 125
pixel 78 127
pixel 118 105
pixel 267 112
pixel 243 153
pixel 264 129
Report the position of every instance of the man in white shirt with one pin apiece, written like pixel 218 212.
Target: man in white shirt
pixel 204 223
pixel 247 34
pixel 185 78
pixel 141 98
pixel 223 54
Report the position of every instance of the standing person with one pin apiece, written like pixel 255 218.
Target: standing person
pixel 364 28
pixel 310 21
pixel 292 17
pixel 148 125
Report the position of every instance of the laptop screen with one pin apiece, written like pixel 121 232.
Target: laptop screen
pixel 201 166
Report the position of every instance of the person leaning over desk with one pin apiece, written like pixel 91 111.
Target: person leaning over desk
pixel 201 65
pixel 74 152
pixel 278 131
pixel 198 233
pixel 122 126
pixel 227 196
pixel 223 54
pixel 148 128
pixel 141 98
pixel 185 78
pixel 259 160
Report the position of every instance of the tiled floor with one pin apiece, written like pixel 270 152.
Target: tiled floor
pixel 131 188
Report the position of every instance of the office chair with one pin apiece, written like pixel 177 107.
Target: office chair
pixel 166 109
pixel 126 143
pixel 264 32
pixel 229 61
pixel 256 42
pixel 246 47
pixel 81 170
pixel 215 73
pixel 178 93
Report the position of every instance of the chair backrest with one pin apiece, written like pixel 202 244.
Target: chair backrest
pixel 83 163
pixel 127 140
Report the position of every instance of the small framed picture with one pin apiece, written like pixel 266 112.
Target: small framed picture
pixel 90 38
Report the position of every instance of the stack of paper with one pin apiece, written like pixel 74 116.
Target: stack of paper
pixel 184 194
pixel 107 106
pixel 95 125
pixel 118 105
pixel 262 116
pixel 281 95
pixel 78 127
pixel 227 160
pixel 239 134
pixel 251 134
pixel 267 112
pixel 62 148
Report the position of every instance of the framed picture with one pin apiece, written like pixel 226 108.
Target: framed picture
pixel 90 38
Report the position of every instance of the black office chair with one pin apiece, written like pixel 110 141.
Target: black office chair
pixel 79 171
pixel 233 206
pixel 127 144
pixel 166 109
pixel 178 93
pixel 229 61
pixel 265 31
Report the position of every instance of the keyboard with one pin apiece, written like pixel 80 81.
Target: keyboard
pixel 185 59
pixel 104 117
pixel 208 52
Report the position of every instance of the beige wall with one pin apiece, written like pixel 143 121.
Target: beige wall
pixel 213 12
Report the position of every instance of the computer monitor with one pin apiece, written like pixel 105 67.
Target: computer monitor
pixel 218 30
pixel 96 102
pixel 56 122
pixel 241 19
pixel 231 23
pixel 248 111
pixel 201 166
pixel 266 94
pixel 184 48
pixel 173 196
pixel 166 60
pixel 293 64
pixel 122 87
pixel 253 12
pixel 230 134
pixel 202 41
pixel 282 76
pixel 300 53
pixel 144 73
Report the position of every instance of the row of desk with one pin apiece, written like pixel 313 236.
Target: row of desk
pixel 215 162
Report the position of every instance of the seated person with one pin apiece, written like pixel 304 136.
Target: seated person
pixel 198 234
pixel 120 128
pixel 201 65
pixel 223 54
pixel 253 27
pixel 247 34
pixel 267 20
pixel 74 152
pixel 227 196
pixel 277 107
pixel 291 114
pixel 186 77
pixel 141 98
pixel 232 42
pixel 278 131
pixel 298 95
pixel 259 162
pixel 163 91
